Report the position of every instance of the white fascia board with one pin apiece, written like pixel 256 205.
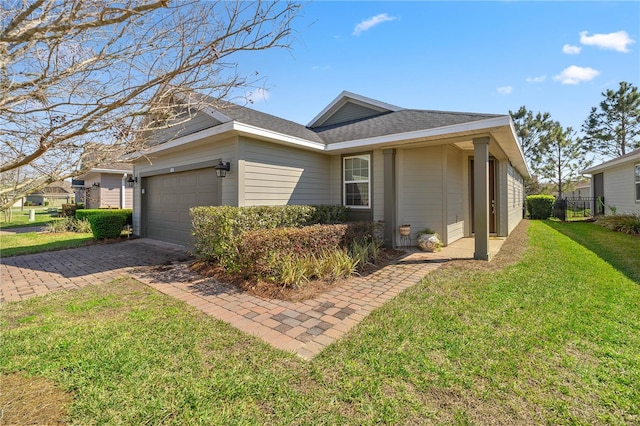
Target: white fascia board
pixel 279 137
pixel 112 171
pixel 214 113
pixel 419 134
pixel 612 163
pixel 343 98
pixel 178 142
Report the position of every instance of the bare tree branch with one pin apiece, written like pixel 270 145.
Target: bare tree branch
pixel 78 73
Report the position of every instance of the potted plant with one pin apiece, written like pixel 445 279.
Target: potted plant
pixel 405 230
pixel 429 240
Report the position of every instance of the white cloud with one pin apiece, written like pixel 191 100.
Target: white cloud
pixel 505 90
pixel 576 75
pixel 367 24
pixel 258 95
pixel 538 79
pixel 571 50
pixel 618 41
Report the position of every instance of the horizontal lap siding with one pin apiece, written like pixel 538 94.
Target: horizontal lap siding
pixel 110 188
pixel 455 194
pixel 278 175
pixel 420 189
pixel 378 185
pixel 619 189
pixel 515 195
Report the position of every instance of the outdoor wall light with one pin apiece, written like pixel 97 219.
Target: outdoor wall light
pixel 131 181
pixel 222 168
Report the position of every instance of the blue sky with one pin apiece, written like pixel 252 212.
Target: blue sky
pixel 488 57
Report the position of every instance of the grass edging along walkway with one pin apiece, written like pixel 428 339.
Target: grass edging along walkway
pixel 37 242
pixel 552 338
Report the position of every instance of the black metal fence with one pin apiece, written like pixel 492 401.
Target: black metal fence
pixel 567 208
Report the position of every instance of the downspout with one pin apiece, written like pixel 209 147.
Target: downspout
pixel 123 186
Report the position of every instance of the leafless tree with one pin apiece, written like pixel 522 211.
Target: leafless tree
pixel 84 80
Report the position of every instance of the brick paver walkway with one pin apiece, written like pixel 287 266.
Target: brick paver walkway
pixel 302 327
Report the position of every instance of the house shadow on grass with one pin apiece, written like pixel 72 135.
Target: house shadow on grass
pixel 621 251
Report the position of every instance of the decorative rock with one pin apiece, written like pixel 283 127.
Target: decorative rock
pixel 429 242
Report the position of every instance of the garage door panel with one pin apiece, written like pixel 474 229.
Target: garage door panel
pixel 169 198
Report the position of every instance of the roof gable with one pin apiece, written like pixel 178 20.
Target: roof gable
pixel 349 107
pixel 630 157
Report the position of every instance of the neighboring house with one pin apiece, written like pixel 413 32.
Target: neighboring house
pixel 53 195
pixel 457 173
pixel 617 181
pixel 105 187
pixel 580 190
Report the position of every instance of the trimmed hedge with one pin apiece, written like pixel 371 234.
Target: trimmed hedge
pixel 540 206
pixel 106 225
pixel 127 214
pixel 261 251
pixel 217 229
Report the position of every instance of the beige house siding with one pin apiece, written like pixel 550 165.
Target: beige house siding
pixel 619 189
pixel 420 194
pixel 454 195
pixel 110 190
pixel 278 175
pixel 378 185
pixel 207 150
pixel 335 180
pixel 515 197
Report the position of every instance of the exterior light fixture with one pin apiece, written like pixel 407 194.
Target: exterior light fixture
pixel 222 168
pixel 131 181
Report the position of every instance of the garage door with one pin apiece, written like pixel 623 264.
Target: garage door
pixel 168 198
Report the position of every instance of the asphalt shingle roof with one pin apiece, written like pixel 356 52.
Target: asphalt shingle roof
pixel 406 120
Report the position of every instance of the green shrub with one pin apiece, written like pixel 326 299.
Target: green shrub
pixel 69 210
pixel 68 224
pixel 540 206
pixel 126 214
pixel 46 204
pixel 625 223
pixel 217 229
pixel 260 252
pixel 106 225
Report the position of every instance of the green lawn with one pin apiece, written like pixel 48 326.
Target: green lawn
pixel 20 218
pixel 32 242
pixel 551 339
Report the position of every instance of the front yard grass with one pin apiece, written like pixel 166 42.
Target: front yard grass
pixel 20 218
pixel 33 242
pixel 550 339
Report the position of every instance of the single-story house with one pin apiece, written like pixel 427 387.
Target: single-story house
pixel 105 187
pixel 617 182
pixel 54 195
pixel 579 190
pixel 458 173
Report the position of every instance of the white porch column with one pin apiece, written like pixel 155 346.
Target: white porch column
pixel 123 187
pixel 481 197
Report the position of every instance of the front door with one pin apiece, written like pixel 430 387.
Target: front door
pixel 492 196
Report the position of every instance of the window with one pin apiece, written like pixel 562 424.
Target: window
pixel 637 182
pixel 356 173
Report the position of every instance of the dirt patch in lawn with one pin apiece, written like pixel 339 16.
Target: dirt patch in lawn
pixel 271 290
pixel 32 401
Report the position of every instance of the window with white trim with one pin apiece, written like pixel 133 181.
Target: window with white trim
pixel 637 182
pixel 356 171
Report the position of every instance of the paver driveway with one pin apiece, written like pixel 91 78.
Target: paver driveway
pixel 38 274
pixel 302 327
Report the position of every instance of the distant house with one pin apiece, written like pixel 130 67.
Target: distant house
pixel 53 195
pixel 580 190
pixel 460 174
pixel 617 183
pixel 105 187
